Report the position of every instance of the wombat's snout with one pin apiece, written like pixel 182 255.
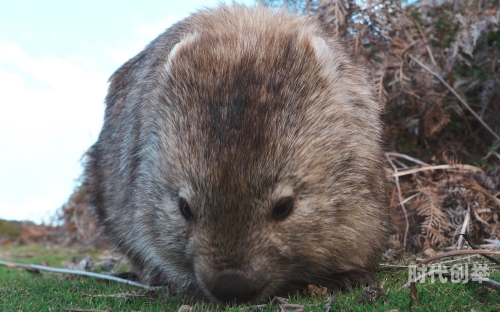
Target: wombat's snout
pixel 230 287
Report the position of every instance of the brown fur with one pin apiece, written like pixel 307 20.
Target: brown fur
pixel 232 110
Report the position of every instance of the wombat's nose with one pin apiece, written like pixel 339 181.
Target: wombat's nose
pixel 232 287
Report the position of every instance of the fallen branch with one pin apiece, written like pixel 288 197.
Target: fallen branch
pixel 408 199
pixel 465 225
pixel 399 155
pixel 78 272
pixel 413 288
pixel 473 278
pixel 474 247
pixel 401 202
pixel 414 170
pixel 119 295
pixel 297 307
pixel 84 310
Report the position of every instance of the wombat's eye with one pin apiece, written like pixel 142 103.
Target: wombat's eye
pixel 185 210
pixel 283 209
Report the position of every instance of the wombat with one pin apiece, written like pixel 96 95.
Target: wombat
pixel 240 158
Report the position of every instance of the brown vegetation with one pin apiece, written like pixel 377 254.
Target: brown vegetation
pixel 459 42
pixel 436 68
pixel 75 223
pixel 78 221
pixel 437 204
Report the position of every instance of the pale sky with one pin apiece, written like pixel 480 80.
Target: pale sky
pixel 55 59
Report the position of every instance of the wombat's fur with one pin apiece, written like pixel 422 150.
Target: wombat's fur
pixel 240 157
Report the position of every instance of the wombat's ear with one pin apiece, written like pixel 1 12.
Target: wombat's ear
pixel 323 51
pixel 179 48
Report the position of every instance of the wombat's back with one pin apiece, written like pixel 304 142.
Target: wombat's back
pixel 240 156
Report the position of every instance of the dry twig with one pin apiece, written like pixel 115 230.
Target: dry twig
pixel 400 199
pixel 78 272
pixel 464 103
pixel 413 291
pixel 392 154
pixel 415 170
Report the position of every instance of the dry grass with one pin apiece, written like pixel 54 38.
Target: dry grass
pixel 436 68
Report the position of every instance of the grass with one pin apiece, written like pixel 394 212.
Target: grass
pixel 21 290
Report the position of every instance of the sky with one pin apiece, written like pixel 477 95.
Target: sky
pixel 55 59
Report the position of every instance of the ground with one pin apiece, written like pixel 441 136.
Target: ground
pixel 21 290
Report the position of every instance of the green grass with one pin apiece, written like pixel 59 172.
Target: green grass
pixel 24 291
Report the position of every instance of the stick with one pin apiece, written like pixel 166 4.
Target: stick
pixel 408 158
pixel 401 202
pixel 464 228
pixel 413 287
pixel 411 171
pixel 478 279
pixel 474 247
pixel 78 272
pixel 459 252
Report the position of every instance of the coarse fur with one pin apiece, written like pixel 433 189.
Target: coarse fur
pixel 221 118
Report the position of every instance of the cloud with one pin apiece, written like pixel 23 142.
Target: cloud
pixel 152 31
pixel 38 209
pixel 140 37
pixel 51 111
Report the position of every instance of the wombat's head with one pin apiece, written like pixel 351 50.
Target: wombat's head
pixel 259 167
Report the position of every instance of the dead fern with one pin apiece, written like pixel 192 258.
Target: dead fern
pixel 435 119
pixel 419 56
pixel 440 204
pixel 424 59
pixel 459 40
